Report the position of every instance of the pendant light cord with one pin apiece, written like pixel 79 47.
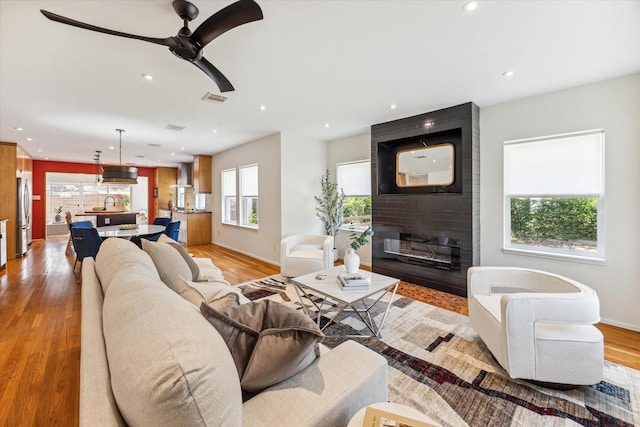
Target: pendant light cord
pixel 120 130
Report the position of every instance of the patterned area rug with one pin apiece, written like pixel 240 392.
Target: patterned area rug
pixel 438 365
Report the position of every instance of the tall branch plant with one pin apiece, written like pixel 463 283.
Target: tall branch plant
pixel 330 205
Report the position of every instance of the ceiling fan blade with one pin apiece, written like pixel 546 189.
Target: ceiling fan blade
pixel 223 83
pixel 238 13
pixel 57 18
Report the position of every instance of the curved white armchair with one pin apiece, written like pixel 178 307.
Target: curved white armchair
pixel 538 325
pixel 305 253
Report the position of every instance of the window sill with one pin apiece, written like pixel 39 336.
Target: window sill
pixel 233 224
pixel 353 228
pixel 555 256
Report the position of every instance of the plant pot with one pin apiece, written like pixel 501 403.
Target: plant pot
pixel 170 205
pixel 58 218
pixel 351 261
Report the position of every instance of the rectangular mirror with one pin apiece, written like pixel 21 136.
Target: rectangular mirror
pixel 425 166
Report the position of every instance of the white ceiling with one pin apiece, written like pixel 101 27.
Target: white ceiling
pixel 309 62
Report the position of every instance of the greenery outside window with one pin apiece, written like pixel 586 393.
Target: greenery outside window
pixel 229 210
pixel 554 195
pixel 354 178
pixel 249 195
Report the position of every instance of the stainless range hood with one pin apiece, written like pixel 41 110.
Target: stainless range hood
pixel 185 176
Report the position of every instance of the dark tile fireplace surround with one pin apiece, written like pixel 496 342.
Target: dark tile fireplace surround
pixel 428 235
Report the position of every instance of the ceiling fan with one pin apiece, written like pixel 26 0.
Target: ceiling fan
pixel 188 45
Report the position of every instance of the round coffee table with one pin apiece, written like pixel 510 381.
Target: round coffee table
pixel 396 408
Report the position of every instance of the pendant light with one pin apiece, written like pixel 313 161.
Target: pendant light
pixel 126 175
pixel 97 159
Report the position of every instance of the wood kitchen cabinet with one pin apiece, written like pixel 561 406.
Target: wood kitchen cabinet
pixel 195 228
pixel 202 174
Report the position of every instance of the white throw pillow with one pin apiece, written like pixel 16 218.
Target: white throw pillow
pixel 170 264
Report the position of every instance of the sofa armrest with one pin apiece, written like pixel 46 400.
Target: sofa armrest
pixel 327 393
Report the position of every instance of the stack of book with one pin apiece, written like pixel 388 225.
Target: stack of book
pixel 353 282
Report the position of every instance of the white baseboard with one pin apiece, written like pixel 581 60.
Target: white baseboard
pixel 620 325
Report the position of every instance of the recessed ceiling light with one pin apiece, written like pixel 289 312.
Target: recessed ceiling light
pixel 39 150
pixel 147 76
pixel 263 107
pixel 327 125
pixel 215 131
pixel 392 106
pixel 508 73
pixel 173 154
pixel 29 139
pixel 18 129
pixel 470 6
pixel 112 148
pixel 182 148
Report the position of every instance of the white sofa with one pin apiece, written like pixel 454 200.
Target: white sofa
pixel 538 325
pixel 149 357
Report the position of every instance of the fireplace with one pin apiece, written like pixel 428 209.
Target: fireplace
pixel 430 234
pixel 429 251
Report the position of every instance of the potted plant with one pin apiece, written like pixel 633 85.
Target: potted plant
pixel 330 209
pixel 351 258
pixel 58 217
pixel 170 202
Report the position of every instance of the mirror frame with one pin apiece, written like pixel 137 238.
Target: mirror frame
pixel 427 147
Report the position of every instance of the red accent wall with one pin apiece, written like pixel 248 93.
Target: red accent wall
pixel 41 167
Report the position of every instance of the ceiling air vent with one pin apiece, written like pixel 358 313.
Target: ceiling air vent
pixel 212 97
pixel 151 144
pixel 174 127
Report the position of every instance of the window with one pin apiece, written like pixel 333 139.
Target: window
pixel 554 195
pixel 79 193
pixel 240 188
pixel 229 196
pixel 249 195
pixel 354 178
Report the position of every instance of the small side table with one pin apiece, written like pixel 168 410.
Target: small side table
pixel 358 419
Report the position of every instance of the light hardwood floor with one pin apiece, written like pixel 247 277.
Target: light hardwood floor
pixel 40 330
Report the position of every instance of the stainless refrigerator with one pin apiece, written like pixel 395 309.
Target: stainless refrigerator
pixel 23 221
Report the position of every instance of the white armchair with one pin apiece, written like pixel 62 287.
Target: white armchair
pixel 305 253
pixel 538 325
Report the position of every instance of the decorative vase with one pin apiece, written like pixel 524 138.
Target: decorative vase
pixel 58 218
pixel 351 261
pixel 170 205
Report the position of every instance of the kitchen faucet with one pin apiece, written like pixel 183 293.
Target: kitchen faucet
pixel 105 202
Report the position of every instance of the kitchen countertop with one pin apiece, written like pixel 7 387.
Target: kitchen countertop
pixel 91 213
pixel 191 212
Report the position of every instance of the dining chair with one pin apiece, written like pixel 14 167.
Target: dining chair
pixel 161 220
pixel 173 230
pixel 69 220
pixel 86 242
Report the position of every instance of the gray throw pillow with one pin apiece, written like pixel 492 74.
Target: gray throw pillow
pixel 269 342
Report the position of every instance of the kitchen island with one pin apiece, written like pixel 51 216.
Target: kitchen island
pixel 111 217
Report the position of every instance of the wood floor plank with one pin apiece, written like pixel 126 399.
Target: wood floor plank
pixel 40 312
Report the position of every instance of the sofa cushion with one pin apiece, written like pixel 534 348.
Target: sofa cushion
pixel 127 256
pixel 168 365
pixel 269 342
pixel 170 264
pixel 199 292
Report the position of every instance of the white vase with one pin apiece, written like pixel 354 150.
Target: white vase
pixel 351 261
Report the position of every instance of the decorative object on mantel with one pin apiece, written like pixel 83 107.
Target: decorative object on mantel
pixel 330 209
pixel 58 217
pixel 126 175
pixel 170 202
pixel 351 258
